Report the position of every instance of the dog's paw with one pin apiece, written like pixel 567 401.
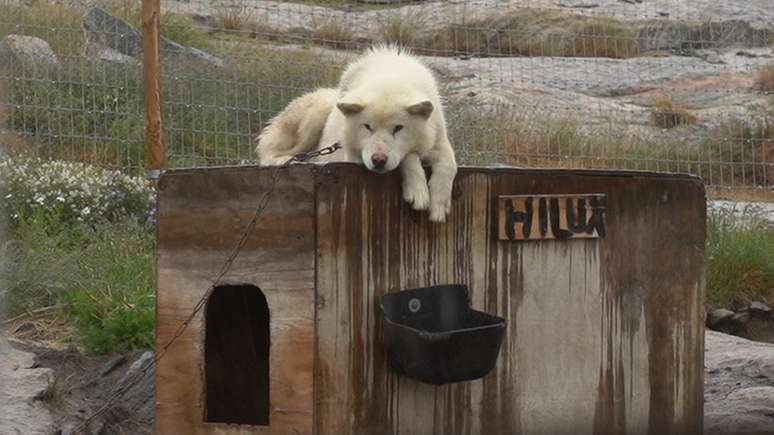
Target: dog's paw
pixel 417 194
pixel 440 186
pixel 439 210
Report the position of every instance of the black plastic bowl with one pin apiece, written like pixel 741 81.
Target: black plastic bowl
pixel 431 334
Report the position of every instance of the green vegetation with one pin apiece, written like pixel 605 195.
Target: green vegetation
pixel 742 142
pixel 562 141
pixel 102 277
pixel 740 264
pixel 79 242
pixel 113 299
pixel 332 33
pixel 233 15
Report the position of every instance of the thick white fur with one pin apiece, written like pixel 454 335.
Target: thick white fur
pixel 296 129
pixel 384 88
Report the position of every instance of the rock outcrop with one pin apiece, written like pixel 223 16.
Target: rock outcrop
pixel 105 30
pixel 122 389
pixel 739 386
pixel 28 51
pixel 23 387
pixel 676 35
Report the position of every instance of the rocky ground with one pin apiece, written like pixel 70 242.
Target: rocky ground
pixel 47 391
pixel 738 385
pixel 22 391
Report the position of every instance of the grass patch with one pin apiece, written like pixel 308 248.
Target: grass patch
pixel 668 114
pixel 403 28
pixel 746 146
pixel 101 276
pixel 82 113
pixel 185 31
pixel 232 16
pixel 333 33
pixel 502 136
pixel 534 32
pixel 764 79
pixel 356 6
pixel 740 264
pixel 525 32
pixel 736 153
pixel 213 115
pixel 113 300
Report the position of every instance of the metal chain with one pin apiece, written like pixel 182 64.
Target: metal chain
pixel 264 201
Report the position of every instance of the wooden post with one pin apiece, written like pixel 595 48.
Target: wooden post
pixel 151 60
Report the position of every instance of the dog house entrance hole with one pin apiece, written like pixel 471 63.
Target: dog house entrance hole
pixel 236 356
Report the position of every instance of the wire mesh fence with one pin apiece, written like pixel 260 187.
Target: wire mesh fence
pixel 664 85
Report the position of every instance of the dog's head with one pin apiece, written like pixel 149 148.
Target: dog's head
pixel 382 129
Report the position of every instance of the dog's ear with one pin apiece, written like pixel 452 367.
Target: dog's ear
pixel 349 108
pixel 423 109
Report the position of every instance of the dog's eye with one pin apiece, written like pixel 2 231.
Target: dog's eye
pixel 397 129
pixel 368 127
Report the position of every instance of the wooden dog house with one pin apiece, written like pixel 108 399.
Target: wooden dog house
pixel 604 334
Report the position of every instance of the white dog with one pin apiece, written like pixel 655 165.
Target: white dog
pixel 388 115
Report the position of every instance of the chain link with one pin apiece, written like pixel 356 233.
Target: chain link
pixel 302 157
pixel 259 209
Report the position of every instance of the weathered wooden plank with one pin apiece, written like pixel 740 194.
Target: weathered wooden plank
pixel 578 356
pixel 201 216
pixel 653 266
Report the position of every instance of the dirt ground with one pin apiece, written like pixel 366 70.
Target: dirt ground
pixel 99 395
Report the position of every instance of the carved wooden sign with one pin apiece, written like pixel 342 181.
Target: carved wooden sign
pixel 540 217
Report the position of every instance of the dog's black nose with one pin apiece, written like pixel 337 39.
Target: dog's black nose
pixel 379 160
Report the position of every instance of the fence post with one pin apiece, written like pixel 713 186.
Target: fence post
pixel 151 61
